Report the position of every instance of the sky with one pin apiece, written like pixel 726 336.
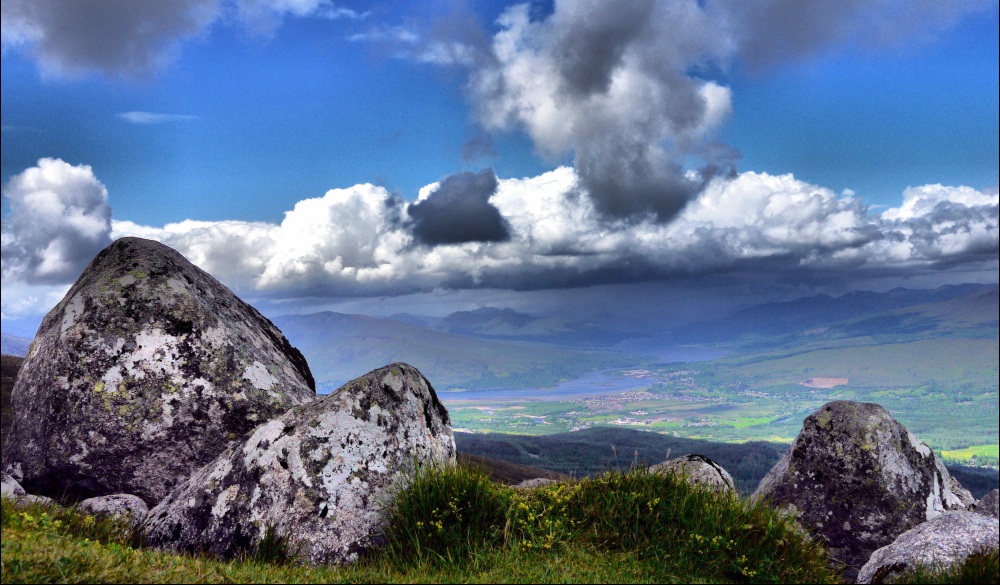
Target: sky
pixel 381 157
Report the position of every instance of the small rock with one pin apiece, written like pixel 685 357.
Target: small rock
pixel 989 505
pixel 941 543
pixel 537 482
pixel 699 470
pixel 9 488
pixel 857 479
pixel 320 476
pixel 32 499
pixel 124 506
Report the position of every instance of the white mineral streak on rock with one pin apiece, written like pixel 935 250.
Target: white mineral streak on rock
pixel 73 310
pixel 258 375
pixel 935 507
pixel 919 445
pixel 223 501
pixel 256 451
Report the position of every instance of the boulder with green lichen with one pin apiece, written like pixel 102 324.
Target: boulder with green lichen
pixel 857 479
pixel 145 371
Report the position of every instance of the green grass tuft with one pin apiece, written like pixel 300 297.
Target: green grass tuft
pixel 662 528
pixel 979 568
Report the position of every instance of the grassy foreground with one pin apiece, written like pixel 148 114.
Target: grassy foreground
pixel 455 525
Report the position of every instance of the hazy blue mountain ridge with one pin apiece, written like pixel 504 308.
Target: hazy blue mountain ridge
pixel 13 345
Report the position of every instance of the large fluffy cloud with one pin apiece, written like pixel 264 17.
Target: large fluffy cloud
pixel 610 82
pixel 361 240
pixel 59 219
pixel 136 37
pixel 633 91
pixel 357 241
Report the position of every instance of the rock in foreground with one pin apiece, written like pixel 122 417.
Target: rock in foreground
pixel 319 476
pixel 989 505
pixel 942 543
pixel 143 373
pixel 699 470
pixel 858 479
pixel 124 506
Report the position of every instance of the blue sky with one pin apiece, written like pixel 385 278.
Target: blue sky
pixel 646 120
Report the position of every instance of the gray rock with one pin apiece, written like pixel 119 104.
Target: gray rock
pixel 857 479
pixel 941 543
pixel 143 373
pixel 699 470
pixel 124 506
pixel 537 482
pixel 989 505
pixel 9 488
pixel 33 499
pixel 319 476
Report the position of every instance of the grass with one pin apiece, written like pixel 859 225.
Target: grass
pixel 456 525
pixel 977 569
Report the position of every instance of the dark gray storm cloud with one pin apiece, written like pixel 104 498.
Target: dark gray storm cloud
pixel 115 38
pixel 631 88
pixel 460 211
pixel 771 32
pixel 135 38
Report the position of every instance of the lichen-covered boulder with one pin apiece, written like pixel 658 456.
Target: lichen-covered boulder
pixel 857 479
pixel 989 505
pixel 699 470
pixel 124 506
pixel 319 476
pixel 940 544
pixel 143 373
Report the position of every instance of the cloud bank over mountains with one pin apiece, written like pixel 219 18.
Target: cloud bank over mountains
pixel 364 240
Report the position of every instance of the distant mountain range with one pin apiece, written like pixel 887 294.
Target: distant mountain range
pixel 494 347
pixel 341 347
pixel 778 319
pixel 13 345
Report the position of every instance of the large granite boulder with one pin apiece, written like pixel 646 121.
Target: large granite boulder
pixel 942 543
pixel 320 476
pixel 143 373
pixel 857 479
pixel 699 470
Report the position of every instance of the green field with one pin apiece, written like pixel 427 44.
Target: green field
pixel 944 390
pixel 980 454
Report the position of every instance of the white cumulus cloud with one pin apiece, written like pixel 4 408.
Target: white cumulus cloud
pixel 358 241
pixel 59 219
